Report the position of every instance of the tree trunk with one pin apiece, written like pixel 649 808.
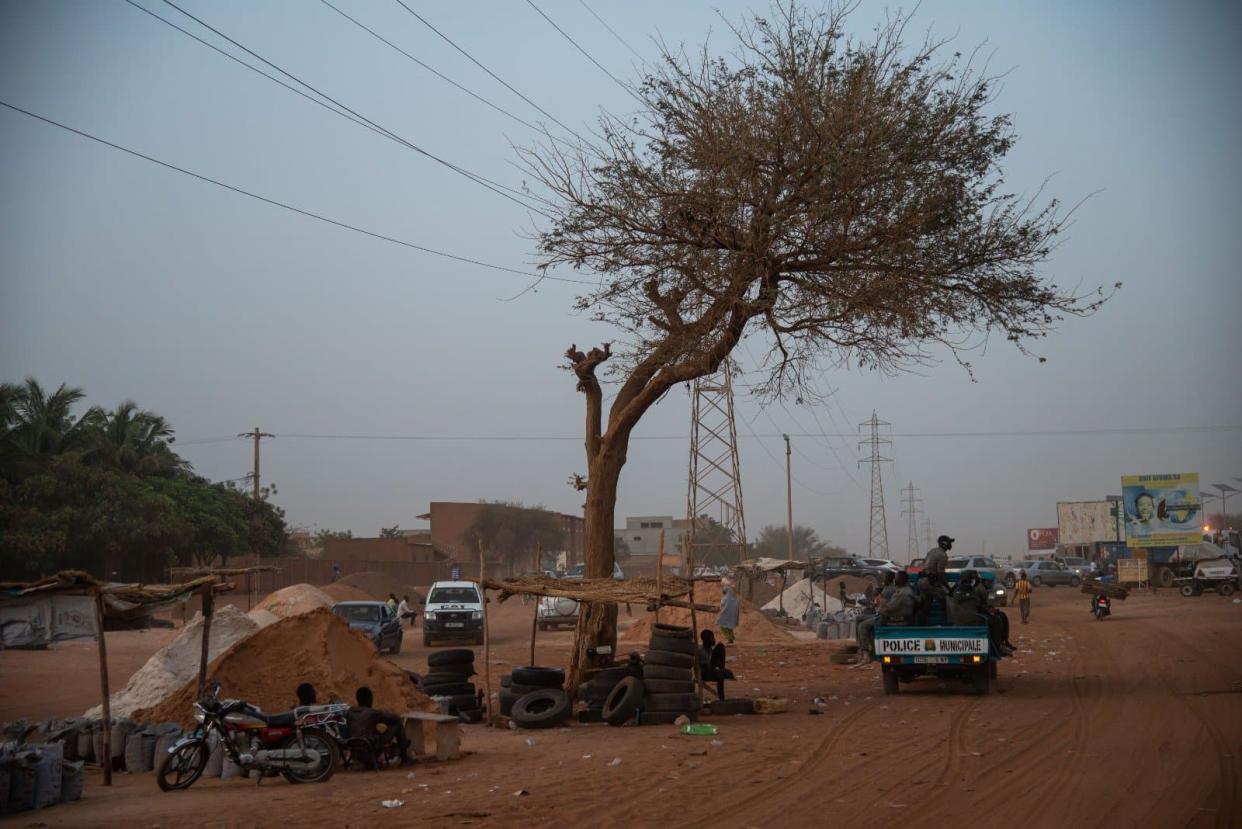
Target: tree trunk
pixel 597 623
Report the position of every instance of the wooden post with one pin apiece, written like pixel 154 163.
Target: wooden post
pixel 659 577
pixel 209 609
pixel 106 760
pixel 487 644
pixel 688 560
pixel 534 625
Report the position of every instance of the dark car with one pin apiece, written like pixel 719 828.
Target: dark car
pixel 1050 573
pixel 831 568
pixel 375 620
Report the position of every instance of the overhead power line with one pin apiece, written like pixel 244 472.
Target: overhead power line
pixel 585 53
pixel 610 29
pixel 496 187
pixel 473 60
pixel 289 207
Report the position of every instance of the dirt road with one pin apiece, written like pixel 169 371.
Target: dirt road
pixel 1135 721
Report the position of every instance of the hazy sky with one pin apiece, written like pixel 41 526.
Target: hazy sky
pixel 223 313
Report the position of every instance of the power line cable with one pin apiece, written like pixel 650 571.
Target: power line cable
pixel 610 29
pixel 499 79
pixel 586 54
pixel 291 208
pixel 496 187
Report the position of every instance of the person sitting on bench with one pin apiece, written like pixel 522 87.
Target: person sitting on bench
pixel 378 726
pixel 712 662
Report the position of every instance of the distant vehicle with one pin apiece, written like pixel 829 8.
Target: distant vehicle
pixel 1050 573
pixel 1080 566
pixel 554 611
pixel 375 620
pixel 915 566
pixel 984 565
pixel 454 610
pixel 576 572
pixel 834 568
pixel 883 564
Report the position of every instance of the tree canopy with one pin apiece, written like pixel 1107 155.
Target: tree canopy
pixel 511 532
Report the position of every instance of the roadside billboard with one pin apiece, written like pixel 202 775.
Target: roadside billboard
pixel 1162 510
pixel 1042 539
pixel 1086 522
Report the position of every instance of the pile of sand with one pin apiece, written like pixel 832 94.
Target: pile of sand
pixel 339 592
pixel 315 647
pixel 753 626
pixel 378 586
pixel 294 600
pixel 798 597
pixel 177 662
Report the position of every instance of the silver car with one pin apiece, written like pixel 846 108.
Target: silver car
pixel 1049 573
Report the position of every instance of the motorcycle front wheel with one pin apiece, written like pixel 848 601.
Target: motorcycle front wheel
pixel 179 768
pixel 329 756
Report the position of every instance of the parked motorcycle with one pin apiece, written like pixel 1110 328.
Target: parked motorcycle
pixel 300 744
pixel 1102 606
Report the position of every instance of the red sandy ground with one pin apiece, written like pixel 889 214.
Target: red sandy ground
pixel 1134 721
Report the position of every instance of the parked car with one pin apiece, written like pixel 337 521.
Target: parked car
pixel 1081 566
pixel 577 570
pixel 1050 573
pixel 554 611
pixel 883 564
pixel 454 610
pixel 832 568
pixel 375 620
pixel 1007 576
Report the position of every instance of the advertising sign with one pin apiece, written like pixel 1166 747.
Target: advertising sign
pixel 1132 570
pixel 1045 539
pixel 1162 510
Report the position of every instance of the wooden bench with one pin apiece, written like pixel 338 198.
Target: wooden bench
pixel 446 732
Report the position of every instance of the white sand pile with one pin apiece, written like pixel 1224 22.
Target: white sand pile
pixel 798 597
pixel 177 662
pixel 295 600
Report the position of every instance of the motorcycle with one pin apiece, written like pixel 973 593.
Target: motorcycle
pixel 302 744
pixel 1101 607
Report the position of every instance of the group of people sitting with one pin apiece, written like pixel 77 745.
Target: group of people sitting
pixel 381 728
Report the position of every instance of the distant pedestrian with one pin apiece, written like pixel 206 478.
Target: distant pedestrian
pixel 1023 590
pixel 404 611
pixel 392 603
pixel 730 610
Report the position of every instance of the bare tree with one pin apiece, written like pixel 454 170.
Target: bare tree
pixel 842 199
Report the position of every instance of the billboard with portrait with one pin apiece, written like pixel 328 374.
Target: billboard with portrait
pixel 1042 539
pixel 1162 510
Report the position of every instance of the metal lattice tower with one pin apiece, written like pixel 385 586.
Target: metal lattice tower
pixel 715 480
pixel 927 532
pixel 878 547
pixel 911 507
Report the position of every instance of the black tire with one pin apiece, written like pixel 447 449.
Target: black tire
pixel 1164 577
pixel 463 702
pixel 727 707
pixel 1188 590
pixel 671 631
pixel 450 657
pixel 1075 581
pixel 507 698
pixel 666 672
pixel 1037 582
pixel 982 680
pixel 545 708
pixel 623 701
pixel 684 661
pixel 474 715
pixel 671 702
pixel 320 741
pixel 890 682
pixel 668 686
pixel 539 677
pixel 1225 588
pixel 506 680
pixel 444 678
pixel 1010 581
pixel 179 769
pixel 450 690
pixel 663 643
pixel 522 690
pixel 611 676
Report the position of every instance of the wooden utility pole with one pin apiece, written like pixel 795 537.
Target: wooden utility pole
pixel 534 625
pixel 789 497
pixel 106 759
pixel 487 644
pixel 256 436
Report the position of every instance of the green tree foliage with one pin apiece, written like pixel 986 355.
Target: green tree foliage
pixel 105 492
pixel 773 542
pixel 390 532
pixel 511 532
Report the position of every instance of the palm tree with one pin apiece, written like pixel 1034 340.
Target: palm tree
pixel 38 426
pixel 134 440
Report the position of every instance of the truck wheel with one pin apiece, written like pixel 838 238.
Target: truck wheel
pixel 1188 590
pixel 890 681
pixel 1164 577
pixel 1225 588
pixel 982 680
pixel 1037 581
pixel 1074 582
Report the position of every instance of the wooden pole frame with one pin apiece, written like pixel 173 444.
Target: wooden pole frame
pixel 106 759
pixel 660 576
pixel 534 624
pixel 487 643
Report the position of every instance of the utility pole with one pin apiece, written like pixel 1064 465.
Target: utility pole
pixel 257 436
pixel 715 478
pixel 878 546
pixel 912 510
pixel 789 496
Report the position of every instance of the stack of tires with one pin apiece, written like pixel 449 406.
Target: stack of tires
pixel 448 678
pixel 598 684
pixel 666 690
pixel 534 697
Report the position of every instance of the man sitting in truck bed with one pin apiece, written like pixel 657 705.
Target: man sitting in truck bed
pixel 897 609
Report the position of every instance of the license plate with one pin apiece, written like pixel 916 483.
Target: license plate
pixel 454 624
pixel 931 660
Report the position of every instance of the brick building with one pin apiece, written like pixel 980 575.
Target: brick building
pixel 450 519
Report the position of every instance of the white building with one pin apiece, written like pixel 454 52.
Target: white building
pixel 642 534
